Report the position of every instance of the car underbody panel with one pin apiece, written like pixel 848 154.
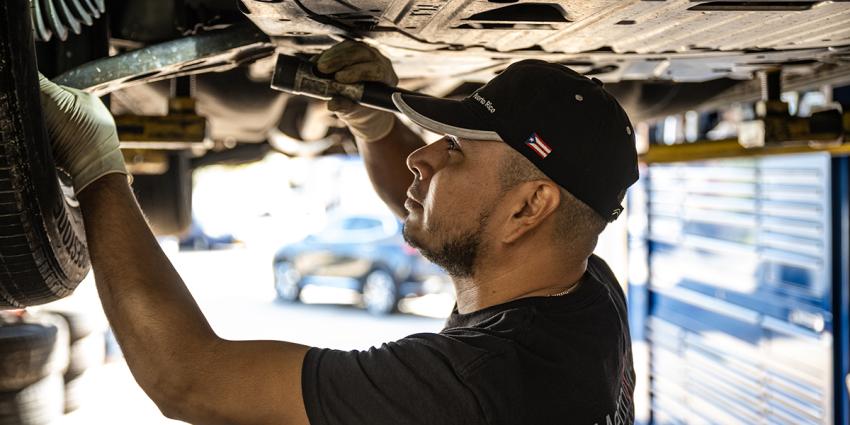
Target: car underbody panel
pixel 614 40
pixel 657 57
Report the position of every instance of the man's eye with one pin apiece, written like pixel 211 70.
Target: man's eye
pixel 452 145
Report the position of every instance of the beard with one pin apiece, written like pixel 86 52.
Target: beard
pixel 456 254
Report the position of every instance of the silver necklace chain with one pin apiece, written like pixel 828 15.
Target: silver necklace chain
pixel 566 291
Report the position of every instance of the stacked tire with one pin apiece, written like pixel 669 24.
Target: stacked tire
pixel 33 359
pixel 87 349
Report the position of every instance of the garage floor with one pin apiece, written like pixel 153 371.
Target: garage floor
pixel 234 289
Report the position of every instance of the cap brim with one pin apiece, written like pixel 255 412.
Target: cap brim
pixel 444 116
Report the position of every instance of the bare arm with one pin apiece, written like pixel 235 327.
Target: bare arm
pixel 175 356
pixel 386 163
pixel 178 360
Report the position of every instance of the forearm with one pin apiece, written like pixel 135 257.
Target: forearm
pixel 175 356
pixel 386 164
pixel 155 319
pixel 188 371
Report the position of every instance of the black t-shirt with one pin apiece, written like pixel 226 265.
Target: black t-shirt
pixel 537 360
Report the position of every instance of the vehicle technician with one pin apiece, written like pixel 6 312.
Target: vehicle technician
pixel 510 202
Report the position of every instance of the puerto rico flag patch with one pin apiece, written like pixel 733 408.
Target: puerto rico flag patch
pixel 536 143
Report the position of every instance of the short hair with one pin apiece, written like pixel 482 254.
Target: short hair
pixel 576 222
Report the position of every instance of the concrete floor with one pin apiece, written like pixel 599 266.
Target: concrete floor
pixel 234 290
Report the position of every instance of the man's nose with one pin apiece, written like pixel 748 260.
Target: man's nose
pixel 427 160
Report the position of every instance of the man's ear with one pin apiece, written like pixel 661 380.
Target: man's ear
pixel 533 203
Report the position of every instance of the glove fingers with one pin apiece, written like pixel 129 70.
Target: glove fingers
pixel 51 89
pixel 367 71
pixel 344 54
pixel 341 105
pixel 44 84
pixel 81 130
pixel 55 98
pixel 352 62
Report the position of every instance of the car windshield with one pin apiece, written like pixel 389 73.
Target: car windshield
pixel 361 223
pixel 357 228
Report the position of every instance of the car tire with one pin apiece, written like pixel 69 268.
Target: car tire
pixel 380 292
pixel 31 347
pixel 287 282
pixel 40 403
pixel 87 336
pixel 77 391
pixel 81 323
pixel 43 255
pixel 84 354
pixel 87 350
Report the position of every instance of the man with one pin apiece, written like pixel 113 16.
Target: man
pixel 510 202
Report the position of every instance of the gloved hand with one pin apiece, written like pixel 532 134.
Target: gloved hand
pixel 82 132
pixel 353 62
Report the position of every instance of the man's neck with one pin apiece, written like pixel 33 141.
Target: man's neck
pixel 504 278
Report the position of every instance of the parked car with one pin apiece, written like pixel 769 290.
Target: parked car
pixel 365 253
pixel 199 239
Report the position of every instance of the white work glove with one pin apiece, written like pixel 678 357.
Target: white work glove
pixel 82 133
pixel 354 62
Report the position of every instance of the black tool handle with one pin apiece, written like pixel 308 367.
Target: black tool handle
pixel 379 96
pixel 298 76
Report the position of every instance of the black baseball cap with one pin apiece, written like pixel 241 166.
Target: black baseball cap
pixel 565 123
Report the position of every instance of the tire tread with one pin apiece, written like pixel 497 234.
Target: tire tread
pixel 38 262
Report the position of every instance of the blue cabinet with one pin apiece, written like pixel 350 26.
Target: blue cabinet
pixel 739 299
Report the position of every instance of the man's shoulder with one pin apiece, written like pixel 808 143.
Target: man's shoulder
pixel 417 379
pixel 465 349
pixel 599 270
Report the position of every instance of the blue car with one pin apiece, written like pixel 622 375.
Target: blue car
pixel 198 239
pixel 364 253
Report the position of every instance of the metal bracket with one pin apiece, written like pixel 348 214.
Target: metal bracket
pixel 776 127
pixel 168 132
